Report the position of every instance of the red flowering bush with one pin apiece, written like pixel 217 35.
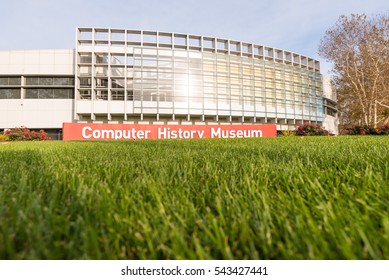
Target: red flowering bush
pixel 383 129
pixel 309 129
pixel 24 134
pixel 367 130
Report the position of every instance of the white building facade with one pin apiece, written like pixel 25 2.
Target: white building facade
pixel 149 77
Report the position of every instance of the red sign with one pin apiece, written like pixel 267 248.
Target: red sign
pixel 93 131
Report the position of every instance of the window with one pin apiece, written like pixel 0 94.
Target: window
pixel 101 70
pixel 63 93
pixel 101 83
pixel 4 81
pixel 130 95
pixel 53 87
pixel 85 58
pixel 117 71
pixel 85 94
pixel 33 81
pixel 85 70
pixel 118 83
pixel 118 59
pixel 47 81
pixel 32 93
pixel 64 81
pixel 101 58
pixel 117 95
pixel 11 81
pixel 41 93
pixel 130 60
pixel 46 93
pixel 85 82
pixel 102 95
pixel 9 93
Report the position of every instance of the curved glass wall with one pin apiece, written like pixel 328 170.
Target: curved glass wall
pixel 156 73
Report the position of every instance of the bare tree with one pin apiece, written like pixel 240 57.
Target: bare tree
pixel 358 47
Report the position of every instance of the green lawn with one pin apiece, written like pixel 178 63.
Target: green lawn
pixel 271 198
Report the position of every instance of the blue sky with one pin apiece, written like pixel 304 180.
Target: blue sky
pixel 294 25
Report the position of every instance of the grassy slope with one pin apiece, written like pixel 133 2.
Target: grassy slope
pixel 284 198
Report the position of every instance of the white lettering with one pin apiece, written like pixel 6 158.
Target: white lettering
pixel 168 133
pixel 107 134
pixel 126 134
pixel 186 134
pixel 118 134
pixel 140 134
pixel 256 133
pixel 240 133
pixel 84 135
pixel 96 134
pixel 215 134
pixel 161 133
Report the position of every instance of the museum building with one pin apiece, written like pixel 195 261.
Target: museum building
pixel 123 76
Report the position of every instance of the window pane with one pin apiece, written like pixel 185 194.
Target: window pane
pixel 14 81
pixel 85 70
pixel 45 93
pixel 32 93
pixel 102 58
pixel 9 93
pixel 61 81
pixel 102 83
pixel 102 95
pixel 85 94
pixel 85 82
pixel 32 81
pixel 4 81
pixel 61 93
pixel 45 81
pixel 86 58
pixel 117 95
pixel 117 83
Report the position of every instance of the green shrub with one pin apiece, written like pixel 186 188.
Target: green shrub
pixel 4 138
pixel 288 133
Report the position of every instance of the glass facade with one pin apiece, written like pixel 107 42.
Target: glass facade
pixel 185 76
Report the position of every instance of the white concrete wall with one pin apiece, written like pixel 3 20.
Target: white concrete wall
pixel 330 123
pixel 327 88
pixel 35 113
pixel 37 62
